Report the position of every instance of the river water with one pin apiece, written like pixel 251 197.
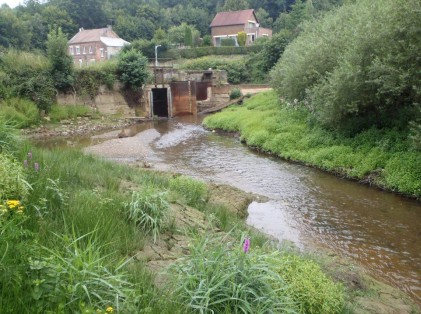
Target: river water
pixel 377 229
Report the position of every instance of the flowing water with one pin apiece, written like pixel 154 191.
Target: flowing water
pixel 379 230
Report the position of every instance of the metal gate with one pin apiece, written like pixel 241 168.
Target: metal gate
pixel 183 96
pixel 202 90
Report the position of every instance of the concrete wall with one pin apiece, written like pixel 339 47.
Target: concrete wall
pixel 106 102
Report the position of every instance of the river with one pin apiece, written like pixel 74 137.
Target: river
pixel 379 230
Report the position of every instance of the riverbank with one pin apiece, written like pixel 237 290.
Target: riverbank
pixel 100 189
pixel 381 158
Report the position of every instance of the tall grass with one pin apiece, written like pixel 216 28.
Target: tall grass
pixel 219 278
pixel 378 156
pixel 60 112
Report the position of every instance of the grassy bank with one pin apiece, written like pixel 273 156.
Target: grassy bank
pixel 379 157
pixel 72 227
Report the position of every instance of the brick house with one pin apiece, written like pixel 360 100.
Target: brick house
pixel 229 24
pixel 90 46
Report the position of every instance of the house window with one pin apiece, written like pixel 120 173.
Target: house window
pixel 84 50
pixel 102 52
pixel 252 24
pixel 77 50
pixel 90 49
pixel 71 50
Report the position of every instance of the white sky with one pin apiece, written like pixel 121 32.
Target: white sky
pixel 11 3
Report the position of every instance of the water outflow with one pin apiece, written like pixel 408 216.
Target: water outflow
pixel 379 230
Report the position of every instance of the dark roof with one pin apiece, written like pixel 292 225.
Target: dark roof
pixel 233 18
pixel 92 35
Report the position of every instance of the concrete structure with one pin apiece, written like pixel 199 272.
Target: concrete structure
pixel 90 46
pixel 229 24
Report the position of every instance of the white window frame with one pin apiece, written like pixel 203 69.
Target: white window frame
pixel 101 50
pixel 84 50
pixel 90 49
pixel 77 50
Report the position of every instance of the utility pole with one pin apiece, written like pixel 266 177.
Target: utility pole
pixel 156 55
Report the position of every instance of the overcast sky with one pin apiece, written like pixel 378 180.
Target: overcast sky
pixel 11 3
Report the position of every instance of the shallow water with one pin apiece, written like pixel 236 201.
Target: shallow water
pixel 379 230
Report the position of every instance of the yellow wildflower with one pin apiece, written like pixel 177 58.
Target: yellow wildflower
pixel 13 203
pixel 109 309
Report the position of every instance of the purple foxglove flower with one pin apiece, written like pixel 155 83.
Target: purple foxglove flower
pixel 25 163
pixel 36 165
pixel 246 245
pixel 30 155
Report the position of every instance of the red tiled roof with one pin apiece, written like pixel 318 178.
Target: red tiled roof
pixel 233 18
pixel 92 35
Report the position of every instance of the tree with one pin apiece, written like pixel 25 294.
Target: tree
pixel 13 32
pixel 177 34
pixel 60 62
pixel 188 39
pixel 241 38
pixel 132 68
pixel 235 5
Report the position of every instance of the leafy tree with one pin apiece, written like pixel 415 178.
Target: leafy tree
pixel 242 38
pixel 85 13
pixel 13 31
pixel 61 63
pixel 177 34
pixel 235 5
pixel 358 67
pixel 264 19
pixel 188 37
pixel 132 68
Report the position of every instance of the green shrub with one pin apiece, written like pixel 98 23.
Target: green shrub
pixel 148 210
pixel 218 277
pixel 89 79
pixel 307 285
pixel 132 69
pixel 24 113
pixel 228 42
pixel 235 93
pixel 194 191
pixel 12 179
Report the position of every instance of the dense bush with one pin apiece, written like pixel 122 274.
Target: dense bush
pixel 27 75
pixel 357 67
pixel 235 93
pixel 307 285
pixel 132 69
pixel 89 79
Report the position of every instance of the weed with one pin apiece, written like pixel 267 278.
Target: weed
pixel 148 210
